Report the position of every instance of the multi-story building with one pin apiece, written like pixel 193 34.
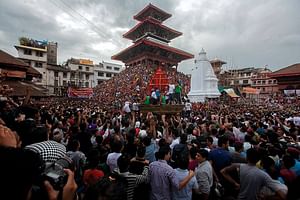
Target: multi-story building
pixel 264 83
pixel 256 79
pixel 34 53
pixel 81 72
pixel 105 70
pixel 58 78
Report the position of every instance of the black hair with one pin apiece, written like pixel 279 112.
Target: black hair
pixel 203 153
pixel 193 152
pixel 183 161
pixel 116 146
pixel 253 156
pixel 164 150
pixel 288 161
pixel 123 163
pixel 222 140
pixel 210 139
pixel 147 141
pixel 183 138
pixel 141 151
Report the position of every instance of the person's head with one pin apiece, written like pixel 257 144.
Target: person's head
pixel 201 155
pixel 183 161
pixel 223 142
pixel 123 163
pixel 74 145
pixel 116 146
pixel 253 156
pixel 146 141
pixel 183 138
pixel 288 161
pixel 140 153
pixel 209 141
pixel 193 152
pixel 164 153
pixel 238 147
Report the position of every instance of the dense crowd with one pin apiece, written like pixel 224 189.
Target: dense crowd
pixel 105 148
pixel 209 151
pixel 132 85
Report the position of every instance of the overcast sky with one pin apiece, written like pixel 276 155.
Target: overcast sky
pixel 244 33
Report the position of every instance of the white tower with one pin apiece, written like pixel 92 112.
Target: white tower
pixel 204 83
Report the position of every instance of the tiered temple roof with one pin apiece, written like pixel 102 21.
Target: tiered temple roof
pixel 151 38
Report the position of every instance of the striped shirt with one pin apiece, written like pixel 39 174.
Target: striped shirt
pixel 134 180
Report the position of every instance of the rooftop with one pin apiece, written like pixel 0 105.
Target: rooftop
pixel 292 70
pixel 153 11
pixel 8 59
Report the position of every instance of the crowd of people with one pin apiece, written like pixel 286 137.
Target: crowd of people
pixel 103 148
pixel 216 151
pixel 132 85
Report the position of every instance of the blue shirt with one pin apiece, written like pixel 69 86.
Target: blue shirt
pixel 162 179
pixel 296 168
pixel 150 152
pixel 221 158
pixel 186 192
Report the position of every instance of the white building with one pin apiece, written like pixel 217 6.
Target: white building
pixel 204 83
pixel 81 72
pixel 35 54
pixel 105 70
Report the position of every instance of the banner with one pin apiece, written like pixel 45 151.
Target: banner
pixel 80 92
pixel 249 90
pixel 16 74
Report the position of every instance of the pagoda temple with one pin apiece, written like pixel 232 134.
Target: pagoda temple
pixel 151 44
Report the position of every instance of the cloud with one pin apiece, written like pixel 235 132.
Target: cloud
pixel 243 33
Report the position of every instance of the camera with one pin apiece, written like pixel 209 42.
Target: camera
pixel 55 174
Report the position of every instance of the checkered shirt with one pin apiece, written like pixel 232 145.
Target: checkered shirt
pixel 50 151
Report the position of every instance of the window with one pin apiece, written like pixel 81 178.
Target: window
pixel 108 67
pixel 274 81
pixel 55 74
pixel 80 67
pixel 39 54
pixel 65 74
pixel 55 83
pixel 248 74
pixel 263 82
pixel 38 64
pixel 100 81
pixel 116 68
pixel 27 52
pixel 236 82
pixel 64 83
pixel 100 74
pixel 245 81
pixel 258 82
pixel 72 83
pixel 86 84
pixel 270 81
pixel 87 69
pixel 72 75
pixel 263 89
pixel 108 75
pixel 87 77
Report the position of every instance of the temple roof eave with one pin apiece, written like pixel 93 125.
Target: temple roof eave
pixel 150 43
pixel 149 20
